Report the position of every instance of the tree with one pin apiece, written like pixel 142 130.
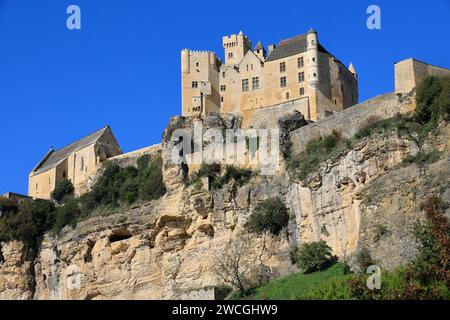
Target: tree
pixel 314 256
pixel 62 189
pixel 269 215
pixel 240 264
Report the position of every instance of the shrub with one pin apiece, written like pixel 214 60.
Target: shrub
pixel 126 185
pixel 151 184
pixel 364 259
pixel 314 256
pixel 269 215
pixel 423 157
pixel 7 206
pixel 143 162
pixel 433 102
pixel 241 176
pixel 316 152
pixel 66 215
pixel 63 189
pixel 30 221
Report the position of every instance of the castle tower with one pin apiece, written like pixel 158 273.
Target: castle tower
pixel 352 69
pixel 199 83
pixel 260 51
pixel 312 43
pixel 236 46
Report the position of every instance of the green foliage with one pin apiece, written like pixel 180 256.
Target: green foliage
pixel 151 183
pixel 399 123
pixel 66 215
pixel 316 152
pixel 433 100
pixel 213 171
pixel 143 162
pixel 314 256
pixel 269 215
pixel 364 259
pixel 336 288
pixel 423 157
pixel 8 206
pixel 63 189
pixel 27 221
pixel 303 286
pixel 127 185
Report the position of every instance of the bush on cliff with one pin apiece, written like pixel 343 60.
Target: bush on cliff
pixel 26 221
pixel 316 152
pixel 63 189
pixel 270 215
pixel 66 215
pixel 217 181
pixel 126 185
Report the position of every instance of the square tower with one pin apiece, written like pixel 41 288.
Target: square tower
pixel 236 46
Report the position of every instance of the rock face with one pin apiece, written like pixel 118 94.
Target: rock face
pixel 366 198
pixel 166 249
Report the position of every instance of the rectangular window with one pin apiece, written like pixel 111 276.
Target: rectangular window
pixel 194 84
pixel 283 82
pixel 244 85
pixel 302 91
pixel 287 95
pixel 282 66
pixel 230 55
pixel 301 62
pixel 223 74
pixel 301 77
pixel 255 83
pixel 223 87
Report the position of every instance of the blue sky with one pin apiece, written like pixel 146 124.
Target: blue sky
pixel 123 67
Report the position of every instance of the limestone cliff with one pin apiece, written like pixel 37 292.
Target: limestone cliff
pixel 365 197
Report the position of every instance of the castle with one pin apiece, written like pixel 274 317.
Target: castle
pixel 298 74
pixel 298 71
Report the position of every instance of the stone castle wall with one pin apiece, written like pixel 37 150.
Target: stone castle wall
pixel 130 158
pixel 352 119
pixel 409 73
pixel 267 118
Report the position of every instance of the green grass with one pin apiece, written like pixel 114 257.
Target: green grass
pixel 299 285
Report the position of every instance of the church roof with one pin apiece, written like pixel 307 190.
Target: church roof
pixel 290 47
pixel 53 158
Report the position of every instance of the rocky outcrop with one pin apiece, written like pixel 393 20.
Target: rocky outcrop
pixel 367 198
pixel 166 249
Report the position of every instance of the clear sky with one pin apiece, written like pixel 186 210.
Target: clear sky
pixel 123 67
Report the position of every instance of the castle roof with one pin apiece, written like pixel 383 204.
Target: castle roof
pixel 351 68
pixel 259 46
pixel 53 158
pixel 290 47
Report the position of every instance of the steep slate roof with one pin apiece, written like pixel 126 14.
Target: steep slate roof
pixel 290 47
pixel 259 46
pixel 56 157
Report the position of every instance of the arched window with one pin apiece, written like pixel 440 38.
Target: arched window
pixel 82 164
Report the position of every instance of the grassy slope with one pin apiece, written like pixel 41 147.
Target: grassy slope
pixel 296 286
